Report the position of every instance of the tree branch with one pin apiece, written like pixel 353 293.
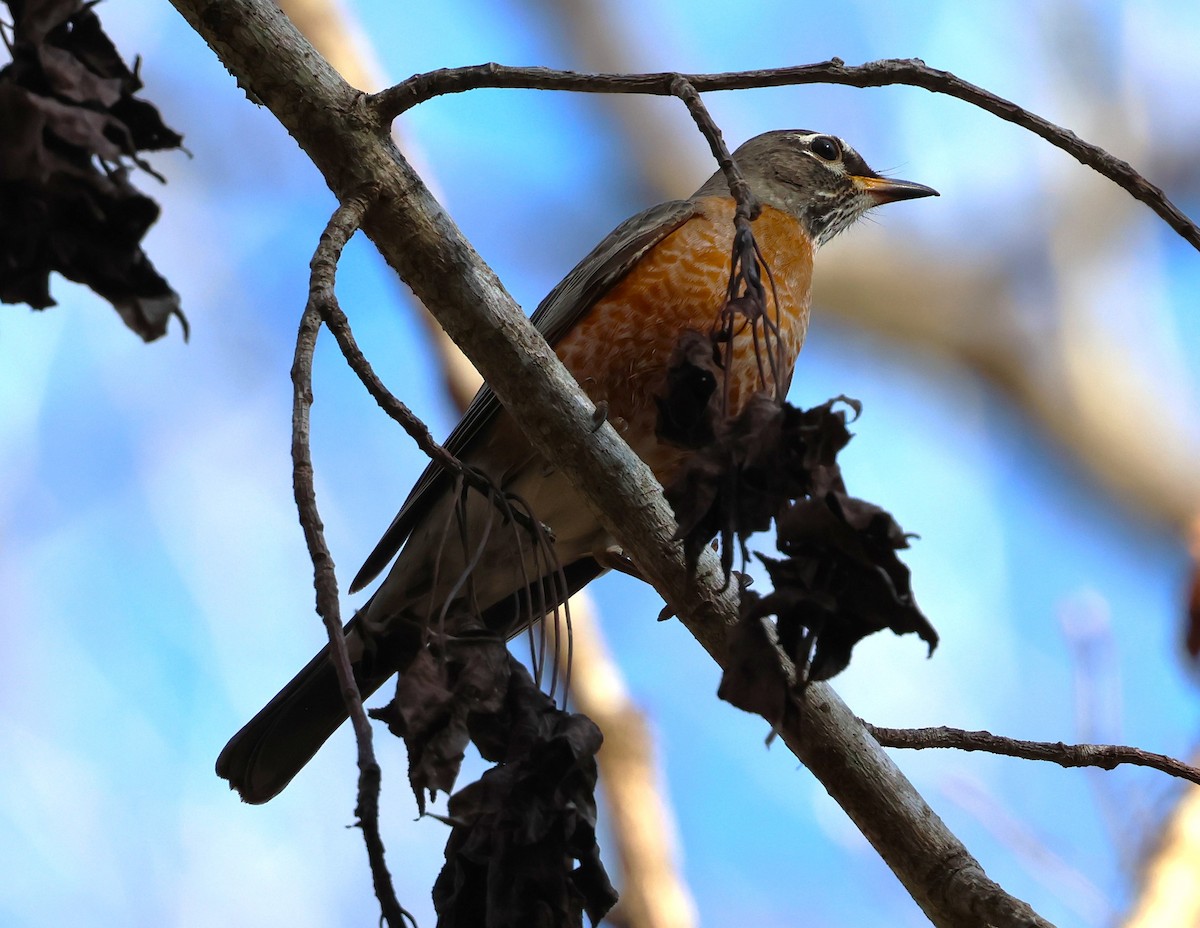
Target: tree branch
pixel 1170 893
pixel 342 225
pixel 1106 756
pixel 912 72
pixel 1191 623
pixel 350 146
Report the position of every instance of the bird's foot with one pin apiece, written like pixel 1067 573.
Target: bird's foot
pixel 613 558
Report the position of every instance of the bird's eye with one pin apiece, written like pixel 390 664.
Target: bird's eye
pixel 825 147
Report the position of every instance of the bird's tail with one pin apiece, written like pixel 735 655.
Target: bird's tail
pixel 262 758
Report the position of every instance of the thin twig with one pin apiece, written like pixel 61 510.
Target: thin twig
pixel 390 103
pixel 1106 756
pixel 512 507
pixel 745 279
pixel 342 225
pixel 748 206
pixel 418 431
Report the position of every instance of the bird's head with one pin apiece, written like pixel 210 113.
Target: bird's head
pixel 817 178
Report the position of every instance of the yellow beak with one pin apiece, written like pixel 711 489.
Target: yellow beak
pixel 889 190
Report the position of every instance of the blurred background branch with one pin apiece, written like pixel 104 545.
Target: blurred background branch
pixel 340 39
pixel 1170 892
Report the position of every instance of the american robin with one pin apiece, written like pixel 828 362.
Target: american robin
pixel 614 321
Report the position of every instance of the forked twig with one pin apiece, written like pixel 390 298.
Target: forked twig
pixel 746 295
pixel 342 225
pixel 339 326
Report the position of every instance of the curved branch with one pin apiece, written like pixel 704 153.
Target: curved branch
pixel 1106 756
pixel 913 72
pixel 342 225
pixel 1192 607
pixel 1169 892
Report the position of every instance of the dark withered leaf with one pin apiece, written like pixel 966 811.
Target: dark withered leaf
pixel 435 699
pixel 79 128
pixel 433 726
pixel 522 850
pixel 144 123
pixel 811 440
pixel 36 18
pixel 739 481
pixel 69 77
pixel 842 578
pixel 72 125
pixel 694 495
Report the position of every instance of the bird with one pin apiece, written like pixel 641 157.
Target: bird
pixel 613 322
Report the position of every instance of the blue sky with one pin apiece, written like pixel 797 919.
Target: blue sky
pixel 157 590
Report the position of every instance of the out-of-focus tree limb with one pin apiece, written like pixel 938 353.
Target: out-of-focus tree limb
pixel 1170 892
pixel 1192 619
pixel 344 44
pixel 1087 235
pixel 1114 423
pixel 653 894
pixel 339 38
pixel 651 131
pixel 1081 389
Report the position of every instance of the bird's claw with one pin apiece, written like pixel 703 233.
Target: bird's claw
pixel 613 558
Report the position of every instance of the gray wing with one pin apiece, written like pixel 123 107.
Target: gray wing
pixel 594 276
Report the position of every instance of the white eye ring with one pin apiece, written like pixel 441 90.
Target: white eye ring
pixel 826 148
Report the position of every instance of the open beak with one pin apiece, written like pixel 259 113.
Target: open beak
pixel 889 190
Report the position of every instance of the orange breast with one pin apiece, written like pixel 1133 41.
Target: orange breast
pixel 620 349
